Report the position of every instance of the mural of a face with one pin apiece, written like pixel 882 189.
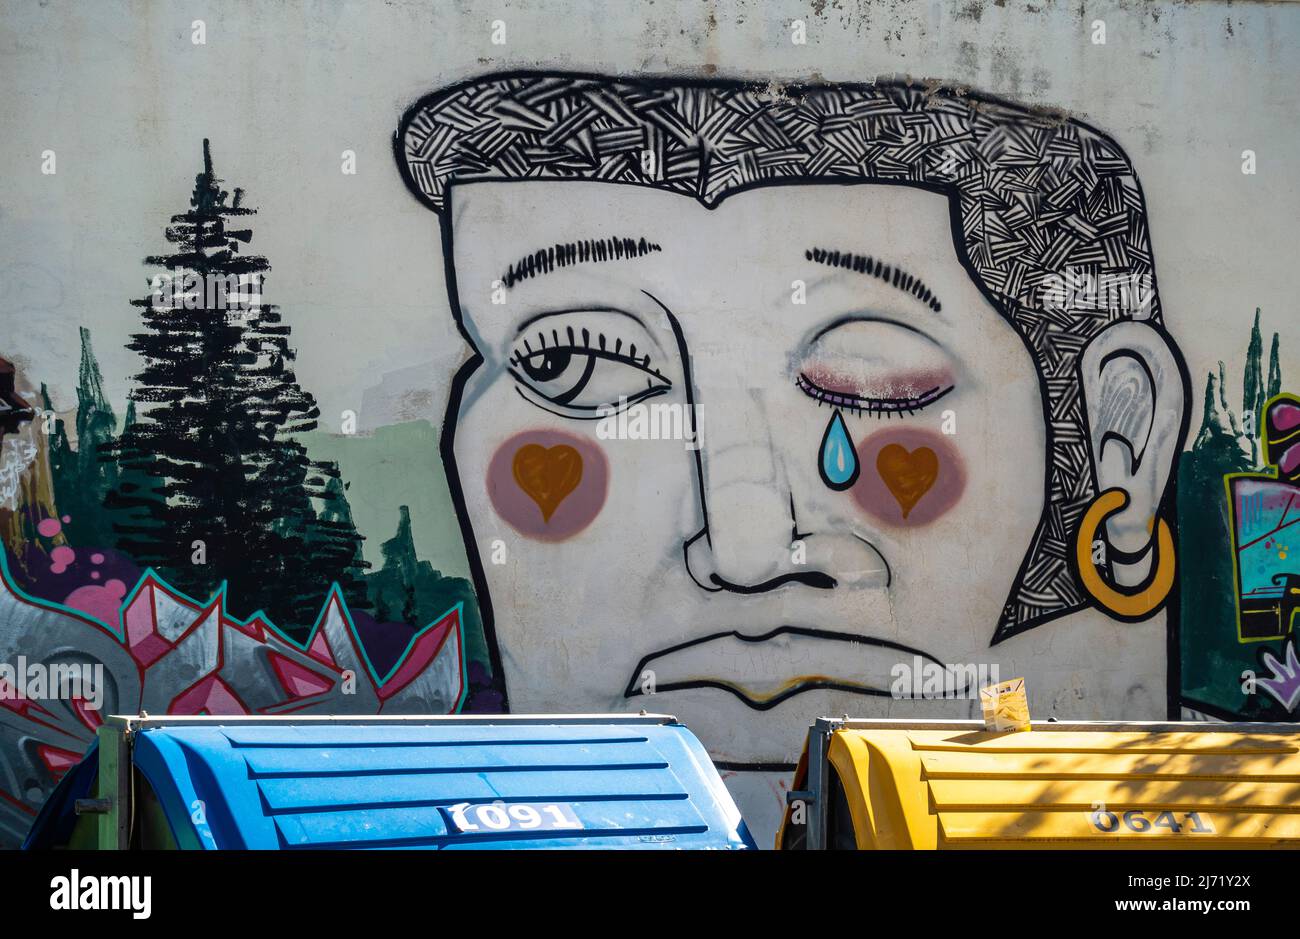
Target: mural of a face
pixel 783 404
pixel 728 573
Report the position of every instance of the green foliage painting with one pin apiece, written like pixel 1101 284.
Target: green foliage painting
pixel 1217 669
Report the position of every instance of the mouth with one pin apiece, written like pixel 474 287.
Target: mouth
pixel 768 669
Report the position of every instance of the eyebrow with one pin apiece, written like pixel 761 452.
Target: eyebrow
pixel 567 254
pixel 865 264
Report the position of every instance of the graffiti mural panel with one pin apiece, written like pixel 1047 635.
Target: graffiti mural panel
pixel 820 370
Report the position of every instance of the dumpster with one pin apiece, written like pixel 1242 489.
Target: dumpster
pixel 546 781
pixel 952 784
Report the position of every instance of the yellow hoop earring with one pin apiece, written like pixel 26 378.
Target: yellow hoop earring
pixel 1135 602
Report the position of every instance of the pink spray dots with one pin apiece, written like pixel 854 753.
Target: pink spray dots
pixel 99 600
pixel 61 558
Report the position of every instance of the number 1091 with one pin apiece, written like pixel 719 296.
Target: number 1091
pixel 521 816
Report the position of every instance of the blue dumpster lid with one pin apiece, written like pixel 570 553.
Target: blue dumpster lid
pixel 618 781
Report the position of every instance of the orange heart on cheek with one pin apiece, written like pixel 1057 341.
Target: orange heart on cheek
pixel 547 475
pixel 908 476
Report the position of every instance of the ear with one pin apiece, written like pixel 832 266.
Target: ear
pixel 1133 395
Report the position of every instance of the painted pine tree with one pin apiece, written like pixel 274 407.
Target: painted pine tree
pixel 332 538
pixel 221 489
pixel 1274 371
pixel 409 590
pixel 63 458
pixel 136 508
pixel 83 477
pixel 1252 386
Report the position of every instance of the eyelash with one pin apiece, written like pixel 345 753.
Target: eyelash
pixel 875 407
pixel 617 355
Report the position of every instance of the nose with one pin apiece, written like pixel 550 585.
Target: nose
pixel 746 544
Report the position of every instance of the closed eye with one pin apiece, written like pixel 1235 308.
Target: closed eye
pixel 864 364
pixel 907 403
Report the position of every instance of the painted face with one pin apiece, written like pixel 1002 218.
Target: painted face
pixel 750 459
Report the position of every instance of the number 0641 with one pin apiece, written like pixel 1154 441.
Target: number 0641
pixel 1111 822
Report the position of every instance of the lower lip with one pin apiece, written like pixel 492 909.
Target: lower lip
pixel 727 653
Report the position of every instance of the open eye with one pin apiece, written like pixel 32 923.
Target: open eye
pixel 587 369
pixel 874 367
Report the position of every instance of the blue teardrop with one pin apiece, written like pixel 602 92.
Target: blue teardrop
pixel 838 460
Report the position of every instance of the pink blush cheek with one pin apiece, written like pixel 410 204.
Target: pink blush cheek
pixel 908 477
pixel 531 483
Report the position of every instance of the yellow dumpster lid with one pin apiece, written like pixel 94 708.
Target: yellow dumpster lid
pixel 938 784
